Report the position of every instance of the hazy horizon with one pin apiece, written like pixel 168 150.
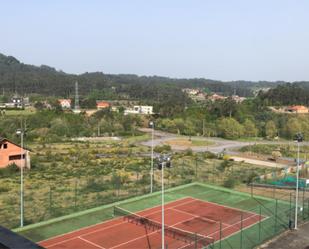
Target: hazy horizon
pixel 218 40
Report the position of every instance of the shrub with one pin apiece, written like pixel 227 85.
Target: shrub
pixel 162 148
pixel 230 182
pixel 209 155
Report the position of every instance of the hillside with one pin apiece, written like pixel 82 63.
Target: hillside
pixel 46 80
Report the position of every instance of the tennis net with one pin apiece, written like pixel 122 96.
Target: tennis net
pixel 176 233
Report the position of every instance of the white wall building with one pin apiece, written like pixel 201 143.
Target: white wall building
pixel 139 109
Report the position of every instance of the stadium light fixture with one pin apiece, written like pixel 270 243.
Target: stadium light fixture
pixel 298 139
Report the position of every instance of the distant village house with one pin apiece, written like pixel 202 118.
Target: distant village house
pixel 139 109
pixel 297 109
pixel 102 104
pixel 65 103
pixel 12 153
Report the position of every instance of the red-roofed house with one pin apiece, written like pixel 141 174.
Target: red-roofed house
pixel 12 153
pixel 102 104
pixel 65 103
pixel 216 97
pixel 297 109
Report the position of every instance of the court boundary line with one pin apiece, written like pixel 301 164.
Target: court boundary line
pixel 90 242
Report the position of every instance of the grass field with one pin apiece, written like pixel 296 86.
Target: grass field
pixel 25 112
pixel 276 213
pixel 189 143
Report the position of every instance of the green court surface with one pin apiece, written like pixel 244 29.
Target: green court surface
pixel 276 213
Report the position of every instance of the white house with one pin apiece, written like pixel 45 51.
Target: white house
pixel 139 109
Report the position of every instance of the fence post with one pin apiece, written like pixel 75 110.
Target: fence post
pixel 75 195
pixel 303 211
pixel 260 219
pixel 308 209
pixel 276 207
pixel 290 217
pixel 213 172
pixel 241 218
pixel 195 168
pixel 220 243
pixel 50 201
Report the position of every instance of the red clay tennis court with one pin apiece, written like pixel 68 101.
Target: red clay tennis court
pixel 189 216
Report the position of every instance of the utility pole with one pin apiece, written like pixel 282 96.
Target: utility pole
pixel 76 106
pixel 299 138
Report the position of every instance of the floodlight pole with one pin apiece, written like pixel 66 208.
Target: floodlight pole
pixel 21 178
pixel 162 207
pixel 297 183
pixel 151 170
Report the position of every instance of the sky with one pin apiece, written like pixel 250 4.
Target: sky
pixel 214 39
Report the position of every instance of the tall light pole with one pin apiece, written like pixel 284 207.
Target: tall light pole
pixel 298 138
pixel 21 133
pixel 162 206
pixel 151 170
pixel 164 161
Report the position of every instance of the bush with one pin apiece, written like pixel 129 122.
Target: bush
pixel 9 170
pixel 189 152
pixel 162 148
pixel 230 182
pixel 209 155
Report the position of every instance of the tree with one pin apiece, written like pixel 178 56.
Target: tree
pixel 249 128
pixel 292 127
pixel 230 128
pixel 270 129
pixel 276 154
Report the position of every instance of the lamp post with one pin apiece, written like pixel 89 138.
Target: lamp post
pixel 151 170
pixel 162 206
pixel 298 138
pixel 164 161
pixel 20 132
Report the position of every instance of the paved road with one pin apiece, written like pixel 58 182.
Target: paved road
pixel 218 146
pixel 296 239
pixel 219 143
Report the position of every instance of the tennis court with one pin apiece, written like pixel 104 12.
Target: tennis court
pixel 190 223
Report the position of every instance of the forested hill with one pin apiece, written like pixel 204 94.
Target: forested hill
pixel 27 79
pixel 288 94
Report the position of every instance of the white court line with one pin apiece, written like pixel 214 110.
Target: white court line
pixel 105 221
pixel 89 242
pixel 104 228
